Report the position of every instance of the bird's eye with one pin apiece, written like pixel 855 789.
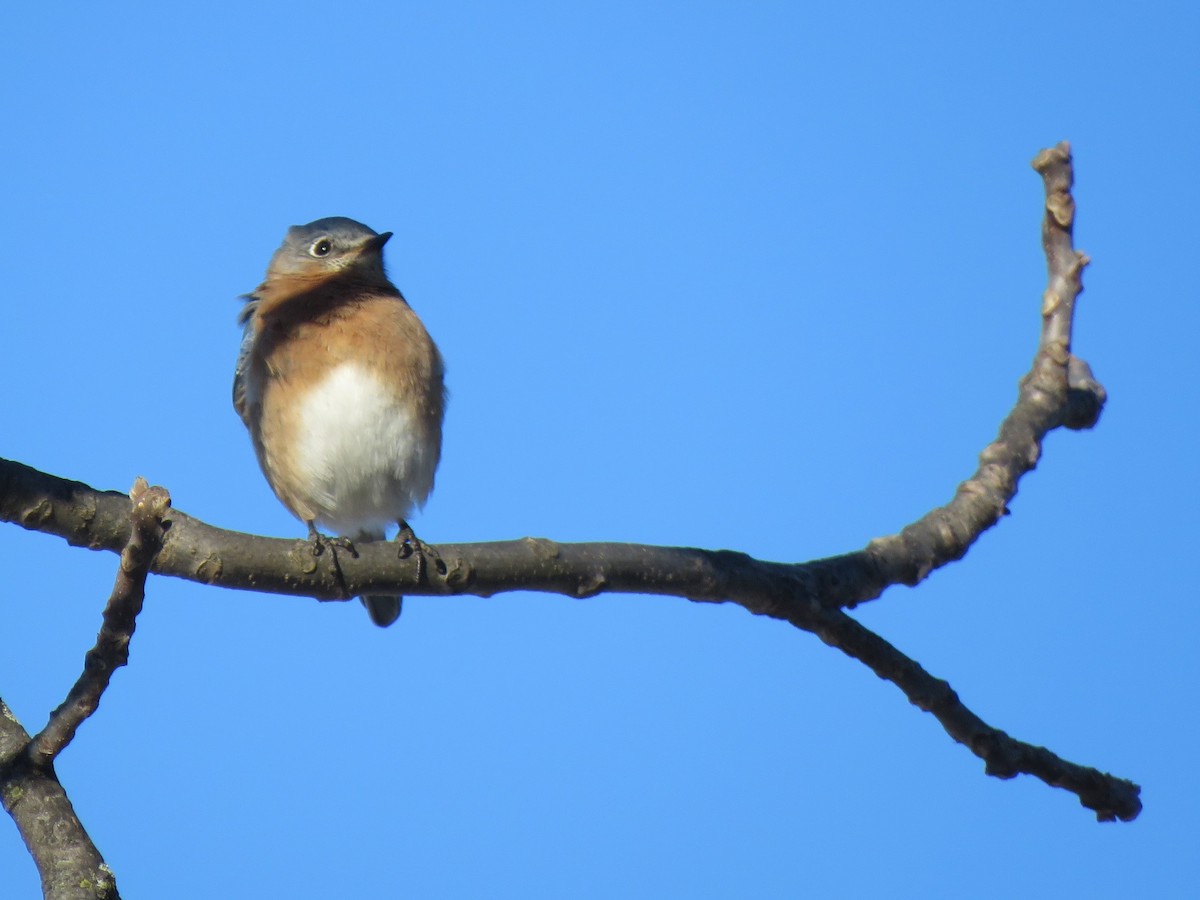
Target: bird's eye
pixel 321 247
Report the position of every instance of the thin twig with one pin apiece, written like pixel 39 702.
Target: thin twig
pixel 147 508
pixel 1109 796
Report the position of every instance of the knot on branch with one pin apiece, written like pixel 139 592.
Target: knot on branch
pixel 1085 396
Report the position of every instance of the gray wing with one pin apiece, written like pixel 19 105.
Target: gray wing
pixel 246 318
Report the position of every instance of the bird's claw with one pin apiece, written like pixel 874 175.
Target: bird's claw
pixel 321 542
pixel 410 544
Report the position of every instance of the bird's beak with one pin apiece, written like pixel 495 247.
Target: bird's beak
pixel 376 243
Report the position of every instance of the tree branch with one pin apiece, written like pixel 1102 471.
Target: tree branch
pixel 1058 390
pixel 147 508
pixel 1110 797
pixel 70 865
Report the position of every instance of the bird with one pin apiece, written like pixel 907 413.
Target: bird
pixel 342 391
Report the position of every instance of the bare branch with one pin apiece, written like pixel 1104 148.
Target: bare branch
pixel 196 551
pixel 1110 797
pixel 1065 266
pixel 147 508
pixel 1058 390
pixel 69 863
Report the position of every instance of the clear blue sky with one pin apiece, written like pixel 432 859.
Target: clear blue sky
pixel 723 275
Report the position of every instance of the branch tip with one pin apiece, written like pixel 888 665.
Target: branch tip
pixel 1052 156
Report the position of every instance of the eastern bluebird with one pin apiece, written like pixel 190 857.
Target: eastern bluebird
pixel 341 388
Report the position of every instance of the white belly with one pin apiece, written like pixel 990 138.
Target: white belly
pixel 366 456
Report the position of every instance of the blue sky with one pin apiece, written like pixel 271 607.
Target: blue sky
pixel 747 276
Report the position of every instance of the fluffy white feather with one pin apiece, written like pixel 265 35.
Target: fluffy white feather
pixel 365 455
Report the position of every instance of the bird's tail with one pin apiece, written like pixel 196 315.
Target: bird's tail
pixel 384 609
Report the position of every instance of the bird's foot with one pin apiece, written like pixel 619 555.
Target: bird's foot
pixel 318 543
pixel 321 542
pixel 426 553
